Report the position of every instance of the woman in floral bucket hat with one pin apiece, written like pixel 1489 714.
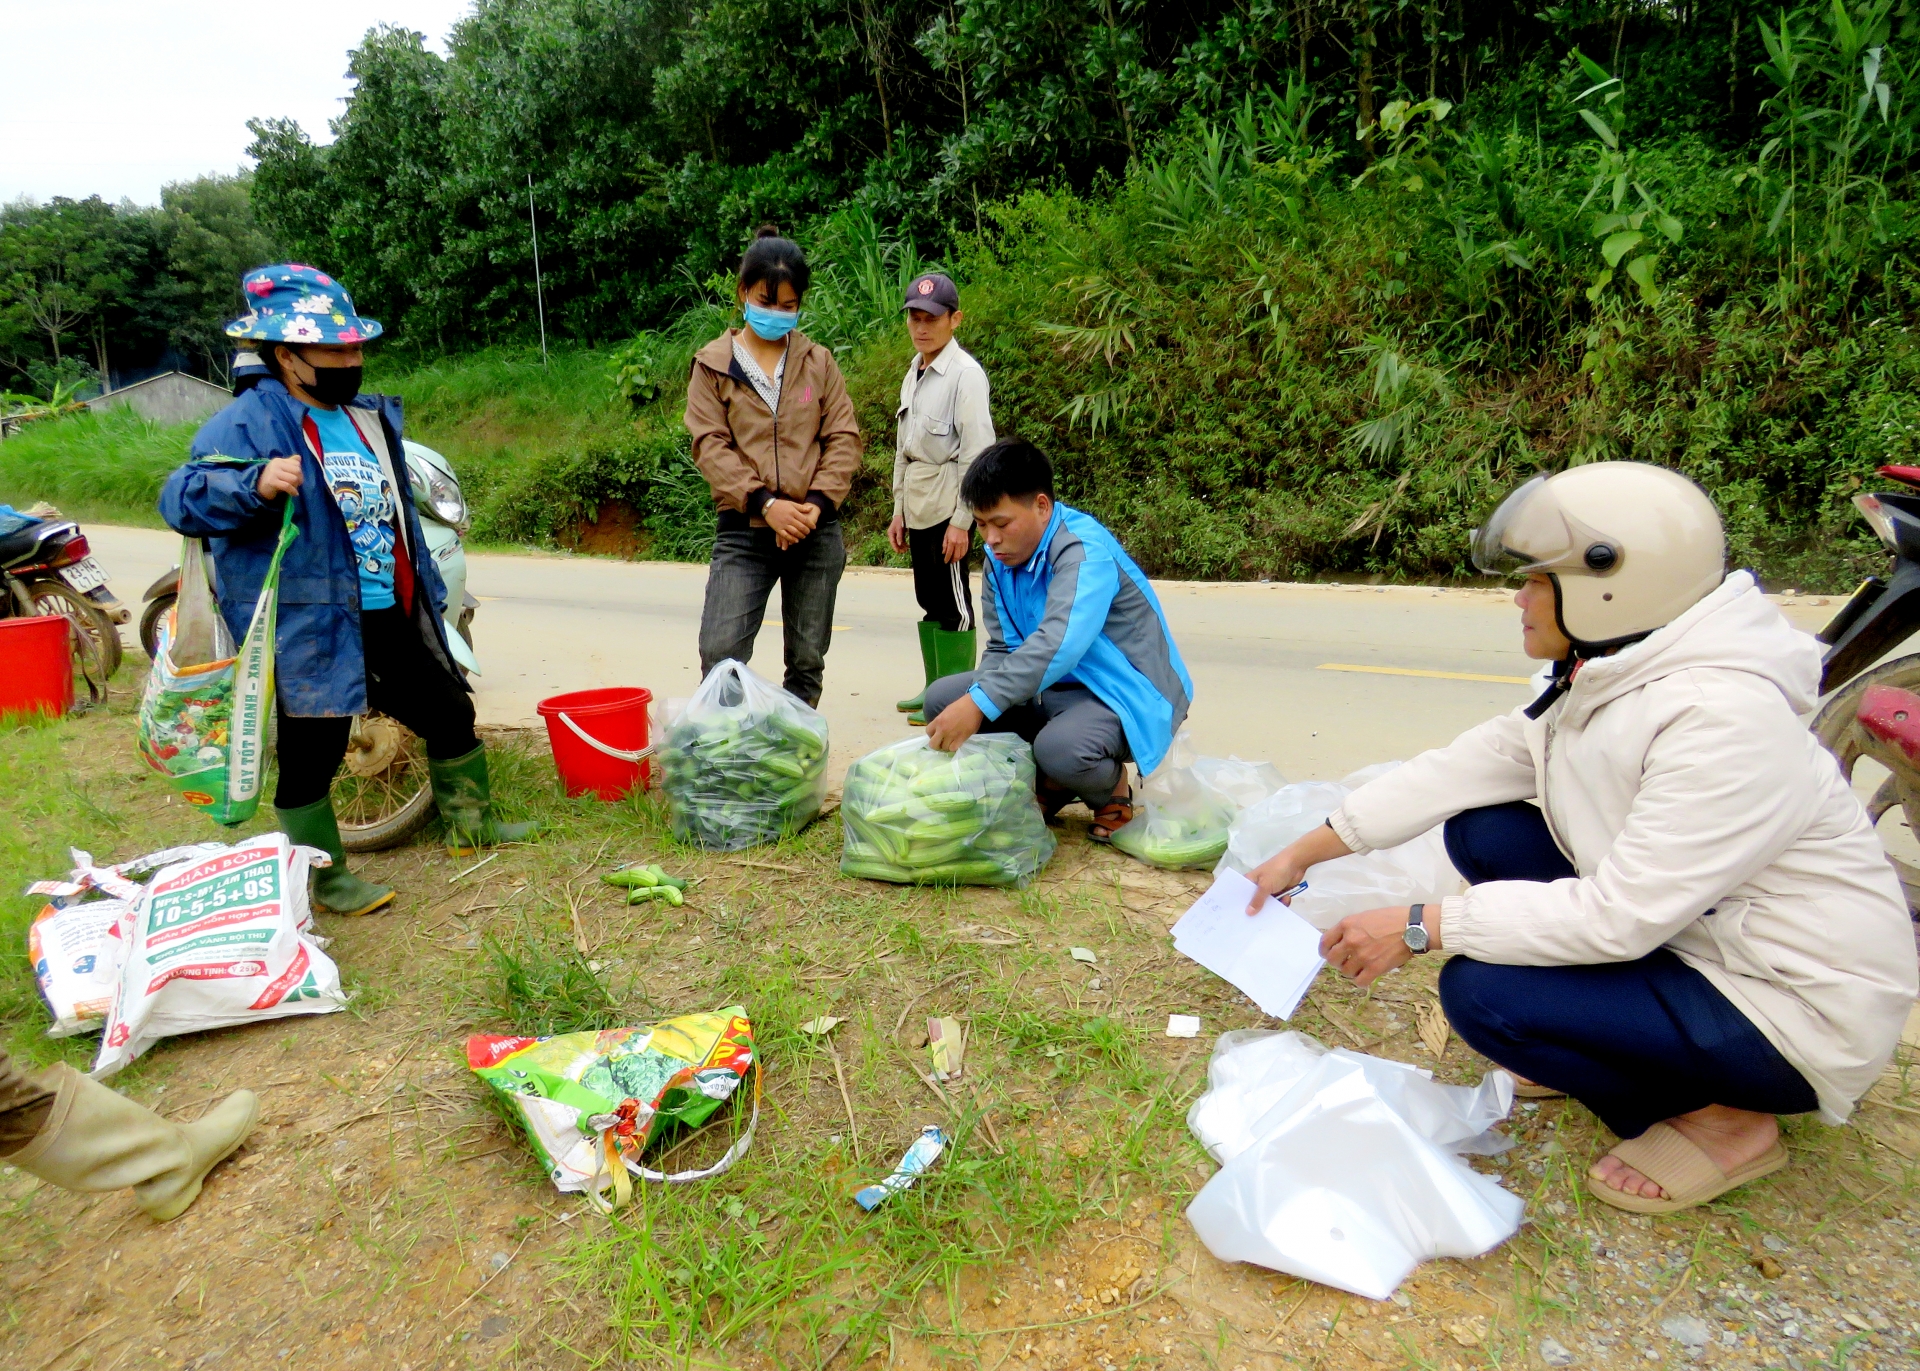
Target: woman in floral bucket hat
pixel 360 626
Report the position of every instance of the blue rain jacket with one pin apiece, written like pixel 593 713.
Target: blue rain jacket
pixel 320 664
pixel 1080 610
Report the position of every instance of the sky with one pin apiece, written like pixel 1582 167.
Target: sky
pixel 116 98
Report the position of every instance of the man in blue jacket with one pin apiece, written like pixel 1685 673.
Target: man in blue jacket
pixel 361 626
pixel 1079 659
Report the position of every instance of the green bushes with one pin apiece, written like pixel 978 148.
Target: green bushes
pixel 543 499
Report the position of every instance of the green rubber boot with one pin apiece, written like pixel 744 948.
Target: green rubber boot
pixel 953 653
pixel 335 889
pixel 927 629
pixel 465 800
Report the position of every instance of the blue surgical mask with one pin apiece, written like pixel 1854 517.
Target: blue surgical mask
pixel 771 324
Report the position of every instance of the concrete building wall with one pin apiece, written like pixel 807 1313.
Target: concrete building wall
pixel 174 398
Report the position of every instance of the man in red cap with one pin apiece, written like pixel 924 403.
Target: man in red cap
pixel 943 424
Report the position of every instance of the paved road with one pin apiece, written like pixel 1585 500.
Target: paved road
pixel 1257 653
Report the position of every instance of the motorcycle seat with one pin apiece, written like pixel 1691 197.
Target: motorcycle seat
pixel 20 543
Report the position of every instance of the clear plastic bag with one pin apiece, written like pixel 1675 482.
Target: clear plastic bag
pixel 1414 871
pixel 1188 804
pixel 1344 1168
pixel 744 763
pixel 914 814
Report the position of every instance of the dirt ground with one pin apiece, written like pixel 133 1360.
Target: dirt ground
pixel 385 1215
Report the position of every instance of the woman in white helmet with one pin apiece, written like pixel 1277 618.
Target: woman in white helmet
pixel 1678 912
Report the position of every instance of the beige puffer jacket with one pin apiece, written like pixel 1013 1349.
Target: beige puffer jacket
pixel 1701 815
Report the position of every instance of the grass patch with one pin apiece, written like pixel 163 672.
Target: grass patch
pixel 104 468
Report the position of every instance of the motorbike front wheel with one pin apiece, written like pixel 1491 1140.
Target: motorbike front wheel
pixel 383 795
pixel 96 639
pixel 1839 728
pixel 156 610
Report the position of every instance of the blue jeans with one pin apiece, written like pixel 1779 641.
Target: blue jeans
pixel 1636 1042
pixel 747 564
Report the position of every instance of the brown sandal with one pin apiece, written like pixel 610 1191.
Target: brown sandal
pixel 1672 1161
pixel 1111 817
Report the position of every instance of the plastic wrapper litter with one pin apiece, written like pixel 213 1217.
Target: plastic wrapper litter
pixel 744 763
pixel 1343 1168
pixel 1188 804
pixel 591 1102
pixel 915 815
pixel 221 940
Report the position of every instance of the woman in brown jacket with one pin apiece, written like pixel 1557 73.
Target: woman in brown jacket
pixel 774 434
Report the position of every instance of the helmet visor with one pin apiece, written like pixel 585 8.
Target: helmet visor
pixel 1530 531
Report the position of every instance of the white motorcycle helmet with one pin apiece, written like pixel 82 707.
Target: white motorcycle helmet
pixel 1629 547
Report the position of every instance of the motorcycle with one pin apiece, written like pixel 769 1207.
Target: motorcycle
pixel 383 796
pixel 1873 712
pixel 47 567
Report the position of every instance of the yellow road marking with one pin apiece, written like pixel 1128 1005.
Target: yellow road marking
pixel 1437 675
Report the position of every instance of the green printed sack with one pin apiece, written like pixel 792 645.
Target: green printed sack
pixel 744 763
pixel 913 814
pixel 204 717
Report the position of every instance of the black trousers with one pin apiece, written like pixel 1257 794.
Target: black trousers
pixel 403 681
pixel 747 564
pixel 944 589
pixel 1636 1042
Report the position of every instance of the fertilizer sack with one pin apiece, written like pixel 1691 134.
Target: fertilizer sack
pixel 226 939
pixel 1188 804
pixel 743 763
pixel 204 716
pixel 915 815
pixel 75 941
pixel 591 1102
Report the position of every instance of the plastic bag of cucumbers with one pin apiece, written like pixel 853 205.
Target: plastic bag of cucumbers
pixel 744 763
pixel 915 814
pixel 1189 804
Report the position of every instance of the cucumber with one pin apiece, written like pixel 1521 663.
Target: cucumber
pixel 633 877
pixel 922 855
pixel 877 871
pixel 963 873
pixel 949 801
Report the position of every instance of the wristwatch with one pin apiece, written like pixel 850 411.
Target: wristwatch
pixel 1416 934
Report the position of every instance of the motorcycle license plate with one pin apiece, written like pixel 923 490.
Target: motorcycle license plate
pixel 84 575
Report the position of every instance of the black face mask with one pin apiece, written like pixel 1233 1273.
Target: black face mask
pixel 333 385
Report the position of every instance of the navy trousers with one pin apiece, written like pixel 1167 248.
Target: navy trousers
pixel 1636 1042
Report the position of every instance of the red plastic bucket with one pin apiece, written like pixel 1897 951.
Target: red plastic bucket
pixel 36 665
pixel 599 739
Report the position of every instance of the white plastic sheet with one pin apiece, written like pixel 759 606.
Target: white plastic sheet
pixel 1344 1168
pixel 1414 871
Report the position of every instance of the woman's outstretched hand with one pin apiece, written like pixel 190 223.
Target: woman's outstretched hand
pixel 1288 867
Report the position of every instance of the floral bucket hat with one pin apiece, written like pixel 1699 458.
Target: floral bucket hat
pixel 297 304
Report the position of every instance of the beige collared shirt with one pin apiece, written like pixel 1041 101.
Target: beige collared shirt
pixel 943 424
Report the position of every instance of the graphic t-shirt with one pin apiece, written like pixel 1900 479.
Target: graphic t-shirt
pixel 366 501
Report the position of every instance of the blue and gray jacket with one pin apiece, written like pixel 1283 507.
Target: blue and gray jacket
pixel 1080 611
pixel 320 665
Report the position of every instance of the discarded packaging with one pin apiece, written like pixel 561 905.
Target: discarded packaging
pixel 1344 1168
pixel 914 814
pixel 74 944
pixel 918 1160
pixel 744 763
pixel 1188 803
pixel 818 1026
pixel 1082 954
pixel 1183 1025
pixel 591 1102
pixel 227 939
pixel 945 1041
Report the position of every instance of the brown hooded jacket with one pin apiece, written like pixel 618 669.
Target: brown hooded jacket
pixel 748 453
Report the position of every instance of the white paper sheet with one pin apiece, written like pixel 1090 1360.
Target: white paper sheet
pixel 1271 957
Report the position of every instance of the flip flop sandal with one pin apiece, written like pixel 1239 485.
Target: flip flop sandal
pixel 1665 1156
pixel 1112 816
